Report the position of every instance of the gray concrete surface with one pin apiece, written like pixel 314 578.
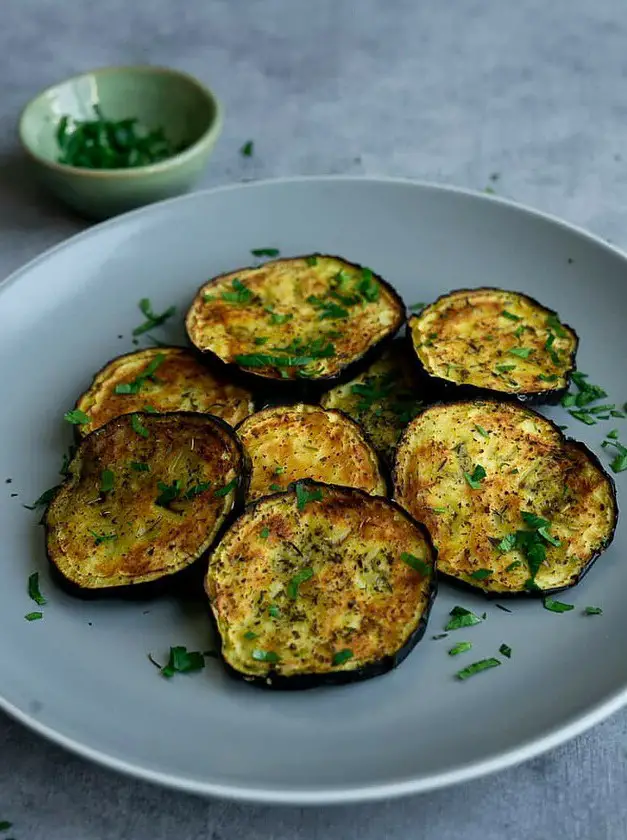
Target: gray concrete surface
pixel 446 90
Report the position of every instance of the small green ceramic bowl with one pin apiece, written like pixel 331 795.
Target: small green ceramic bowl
pixel 159 97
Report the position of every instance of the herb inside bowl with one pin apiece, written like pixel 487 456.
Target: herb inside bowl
pixel 111 144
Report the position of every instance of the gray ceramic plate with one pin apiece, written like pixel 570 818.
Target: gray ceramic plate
pixel 81 677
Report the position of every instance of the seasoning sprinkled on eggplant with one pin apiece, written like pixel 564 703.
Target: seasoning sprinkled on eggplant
pixel 286 443
pixel 490 341
pixel 313 593
pixel 537 519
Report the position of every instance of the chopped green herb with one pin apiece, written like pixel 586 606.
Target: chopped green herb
pixel 33 616
pixel 274 611
pixel 504 368
pixel 224 491
pixel 167 493
pixel 417 307
pixel 477 667
pixel 276 487
pixel 5 825
pixel 152 320
pixel 265 252
pixel 265 656
pixel 295 582
pixel 619 464
pixel 439 636
pixel 416 563
pixel 593 611
pixel 207 298
pixel 584 417
pixel 613 435
pixel 265 533
pixel 489 190
pixel 312 260
pixel 554 323
pixel 368 286
pixel 249 634
pixel 342 656
pixel 136 385
pixel 77 417
pixel 507 544
pixel 519 330
pixel 247 149
pixel 101 538
pixel 552 377
pixel 505 650
pixel 510 315
pixel 44 499
pixel 514 565
pixel 461 617
pixel 280 319
pixel 460 647
pixel 502 608
pixel 439 509
pixel 140 466
pixel 556 606
pixel 304 496
pixel 241 294
pixel 482 431
pixel 33 589
pixel 197 490
pixel 261 339
pixel 521 352
pixel 568 400
pixel 138 427
pixel 149 409
pixel 101 143
pixel 182 661
pixel 481 574
pixel 475 478
pixel 107 481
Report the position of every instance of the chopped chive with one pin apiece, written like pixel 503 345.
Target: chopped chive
pixel 182 661
pixel 584 417
pixel 504 368
pixel 521 352
pixel 138 427
pixel 265 533
pixel 553 377
pixel 477 667
pixel 247 149
pixel 460 647
pixel 265 656
pixel 439 636
pixel 224 491
pixel 140 466
pixel 44 499
pixel 304 496
pixel 481 574
pixel 482 431
pixel 417 307
pixel 502 608
pixel 249 634
pixel 274 611
pixel 416 563
pixel 102 538
pixel 152 319
pixel 512 566
pixel 265 252
pixel 505 650
pixel 33 616
pixel 312 260
pixel 510 315
pixel 261 339
pixel 33 589
pixel 593 611
pixel 107 481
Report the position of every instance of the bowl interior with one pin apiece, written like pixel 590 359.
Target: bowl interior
pixel 159 98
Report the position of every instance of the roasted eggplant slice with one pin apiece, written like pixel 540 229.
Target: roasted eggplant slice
pixel 146 495
pixel 288 442
pixel 160 379
pixel 383 399
pixel 301 319
pixel 321 584
pixel 489 341
pixel 512 505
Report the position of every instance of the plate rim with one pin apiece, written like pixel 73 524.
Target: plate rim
pixel 531 748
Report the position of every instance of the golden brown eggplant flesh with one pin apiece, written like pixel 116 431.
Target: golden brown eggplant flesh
pixel 310 319
pixel 322 584
pixel 288 442
pixel 382 399
pixel 145 497
pixel 494 342
pixel 512 505
pixel 160 379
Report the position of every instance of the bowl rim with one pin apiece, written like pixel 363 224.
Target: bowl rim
pixel 209 135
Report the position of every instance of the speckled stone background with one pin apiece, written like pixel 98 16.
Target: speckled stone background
pixel 444 90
